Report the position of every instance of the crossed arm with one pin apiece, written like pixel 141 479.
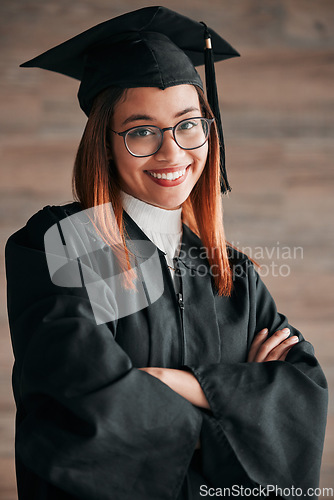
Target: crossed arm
pixel 262 349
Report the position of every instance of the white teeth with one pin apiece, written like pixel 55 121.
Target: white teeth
pixel 170 176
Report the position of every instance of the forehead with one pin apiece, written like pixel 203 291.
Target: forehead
pixel 152 101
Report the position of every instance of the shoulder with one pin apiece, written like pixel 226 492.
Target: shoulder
pixel 193 250
pixel 238 258
pixel 235 256
pixel 52 213
pixel 32 234
pixel 242 266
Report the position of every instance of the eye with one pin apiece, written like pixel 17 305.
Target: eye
pixel 187 125
pixel 139 132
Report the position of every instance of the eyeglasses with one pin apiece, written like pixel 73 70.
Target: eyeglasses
pixel 146 140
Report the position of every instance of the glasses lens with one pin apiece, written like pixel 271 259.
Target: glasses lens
pixel 192 133
pixel 143 141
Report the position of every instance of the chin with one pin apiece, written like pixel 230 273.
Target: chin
pixel 171 203
pixel 165 206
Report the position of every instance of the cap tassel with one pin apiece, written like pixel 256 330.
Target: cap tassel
pixel 212 96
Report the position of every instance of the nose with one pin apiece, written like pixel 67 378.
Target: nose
pixel 169 150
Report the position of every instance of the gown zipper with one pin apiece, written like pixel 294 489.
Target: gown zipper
pixel 181 307
pixel 179 299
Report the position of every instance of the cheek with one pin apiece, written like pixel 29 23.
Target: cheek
pixel 117 149
pixel 120 156
pixel 129 169
pixel 201 156
pixel 118 160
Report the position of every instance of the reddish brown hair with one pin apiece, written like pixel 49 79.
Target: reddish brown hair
pixel 95 183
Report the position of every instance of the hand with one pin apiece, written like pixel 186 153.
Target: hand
pixel 274 348
pixel 182 382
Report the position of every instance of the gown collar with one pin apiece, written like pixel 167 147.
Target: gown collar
pixel 192 251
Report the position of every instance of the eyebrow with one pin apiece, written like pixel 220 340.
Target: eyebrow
pixel 139 117
pixel 187 110
pixel 134 118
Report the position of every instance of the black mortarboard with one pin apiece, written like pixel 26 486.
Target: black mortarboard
pixel 149 47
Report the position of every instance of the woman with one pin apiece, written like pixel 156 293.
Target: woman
pixel 136 390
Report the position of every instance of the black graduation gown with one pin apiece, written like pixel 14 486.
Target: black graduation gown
pixel 91 426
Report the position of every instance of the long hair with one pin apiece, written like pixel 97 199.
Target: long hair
pixel 95 184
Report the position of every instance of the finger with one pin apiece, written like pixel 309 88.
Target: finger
pixel 258 340
pixel 284 355
pixel 271 344
pixel 286 352
pixel 282 350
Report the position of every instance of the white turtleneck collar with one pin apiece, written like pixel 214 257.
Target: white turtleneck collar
pixel 152 218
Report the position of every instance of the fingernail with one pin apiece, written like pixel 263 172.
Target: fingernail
pixel 264 331
pixel 286 331
pixel 294 339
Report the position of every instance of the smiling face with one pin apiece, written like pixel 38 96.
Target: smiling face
pixel 143 178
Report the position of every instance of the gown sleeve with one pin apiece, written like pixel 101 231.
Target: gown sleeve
pixel 268 419
pixel 88 423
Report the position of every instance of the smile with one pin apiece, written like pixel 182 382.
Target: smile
pixel 170 176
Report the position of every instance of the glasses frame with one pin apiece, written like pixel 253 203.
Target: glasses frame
pixel 209 121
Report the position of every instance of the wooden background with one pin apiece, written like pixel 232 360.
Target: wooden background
pixel 277 105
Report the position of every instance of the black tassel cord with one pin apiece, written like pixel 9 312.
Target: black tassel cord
pixel 212 96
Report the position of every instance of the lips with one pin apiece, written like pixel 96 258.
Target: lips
pixel 168 176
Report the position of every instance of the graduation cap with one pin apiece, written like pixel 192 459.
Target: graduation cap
pixel 149 47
